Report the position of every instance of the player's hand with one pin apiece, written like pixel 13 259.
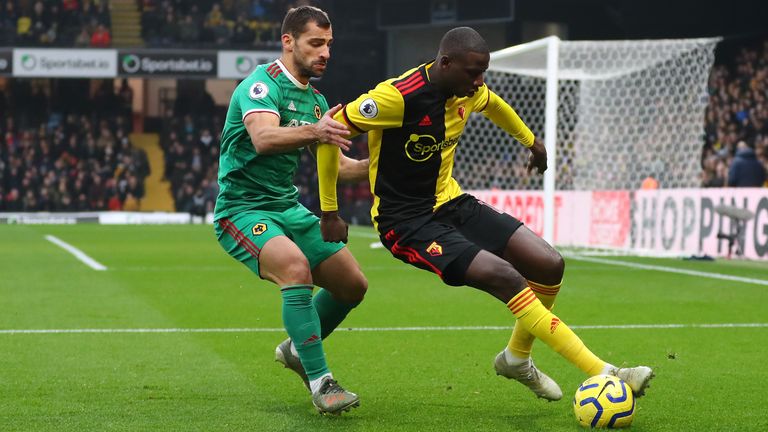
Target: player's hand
pixel 329 131
pixel 333 227
pixel 538 157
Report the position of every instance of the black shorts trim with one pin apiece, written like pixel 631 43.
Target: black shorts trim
pixel 456 272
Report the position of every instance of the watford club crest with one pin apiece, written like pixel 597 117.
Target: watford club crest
pixel 318 113
pixel 461 112
pixel 259 229
pixel 435 249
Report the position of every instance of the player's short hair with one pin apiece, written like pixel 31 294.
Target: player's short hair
pixel 460 40
pixel 295 21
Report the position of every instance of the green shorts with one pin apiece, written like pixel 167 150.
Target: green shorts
pixel 244 235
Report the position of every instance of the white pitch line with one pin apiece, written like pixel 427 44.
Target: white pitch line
pixel 380 329
pixel 670 270
pixel 90 262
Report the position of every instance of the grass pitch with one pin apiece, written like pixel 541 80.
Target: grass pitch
pixel 175 335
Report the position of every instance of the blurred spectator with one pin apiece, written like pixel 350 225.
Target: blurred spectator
pixel 649 182
pixel 746 170
pixel 242 34
pixel 3 103
pixel 83 39
pixel 125 95
pixel 101 38
pixel 189 31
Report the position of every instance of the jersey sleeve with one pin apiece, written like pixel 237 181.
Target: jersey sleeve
pixel 260 95
pixel 380 108
pixel 504 116
pixel 328 156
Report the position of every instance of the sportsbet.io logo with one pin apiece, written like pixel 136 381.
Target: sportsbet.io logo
pixel 243 64
pixel 419 148
pixel 131 63
pixel 28 61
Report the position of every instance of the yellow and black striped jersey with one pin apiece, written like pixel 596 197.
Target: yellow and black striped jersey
pixel 413 130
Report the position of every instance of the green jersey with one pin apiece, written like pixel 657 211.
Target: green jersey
pixel 247 179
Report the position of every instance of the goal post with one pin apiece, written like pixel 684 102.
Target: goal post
pixel 611 113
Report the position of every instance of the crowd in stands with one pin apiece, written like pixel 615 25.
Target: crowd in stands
pixel 54 161
pixel 190 143
pixel 164 23
pixel 58 23
pixel 227 23
pixel 736 142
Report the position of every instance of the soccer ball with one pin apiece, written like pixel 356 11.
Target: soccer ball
pixel 604 401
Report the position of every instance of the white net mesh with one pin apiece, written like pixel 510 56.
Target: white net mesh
pixel 626 110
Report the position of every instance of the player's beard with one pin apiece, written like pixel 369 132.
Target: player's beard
pixel 307 70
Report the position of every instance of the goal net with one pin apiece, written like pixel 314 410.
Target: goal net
pixel 625 110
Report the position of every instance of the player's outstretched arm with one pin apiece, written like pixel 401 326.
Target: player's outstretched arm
pixel 504 116
pixel 268 137
pixel 332 227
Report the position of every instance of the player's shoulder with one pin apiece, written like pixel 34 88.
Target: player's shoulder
pixel 410 81
pixel 481 98
pixel 267 71
pixel 411 73
pixel 262 76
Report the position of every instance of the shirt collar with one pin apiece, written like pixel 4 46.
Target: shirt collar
pixel 293 79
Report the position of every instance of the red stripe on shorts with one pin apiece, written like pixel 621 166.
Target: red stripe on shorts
pixel 414 257
pixel 240 238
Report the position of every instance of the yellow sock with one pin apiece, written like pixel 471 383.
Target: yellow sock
pixel 543 324
pixel 521 342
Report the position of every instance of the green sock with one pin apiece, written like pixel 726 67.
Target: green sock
pixel 303 326
pixel 331 311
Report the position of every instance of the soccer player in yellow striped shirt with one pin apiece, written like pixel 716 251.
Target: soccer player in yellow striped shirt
pixel 414 123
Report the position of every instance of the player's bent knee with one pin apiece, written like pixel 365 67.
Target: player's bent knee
pixel 294 272
pixel 499 279
pixel 557 268
pixel 357 290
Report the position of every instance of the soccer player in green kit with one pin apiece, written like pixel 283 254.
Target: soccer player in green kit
pixel 273 114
